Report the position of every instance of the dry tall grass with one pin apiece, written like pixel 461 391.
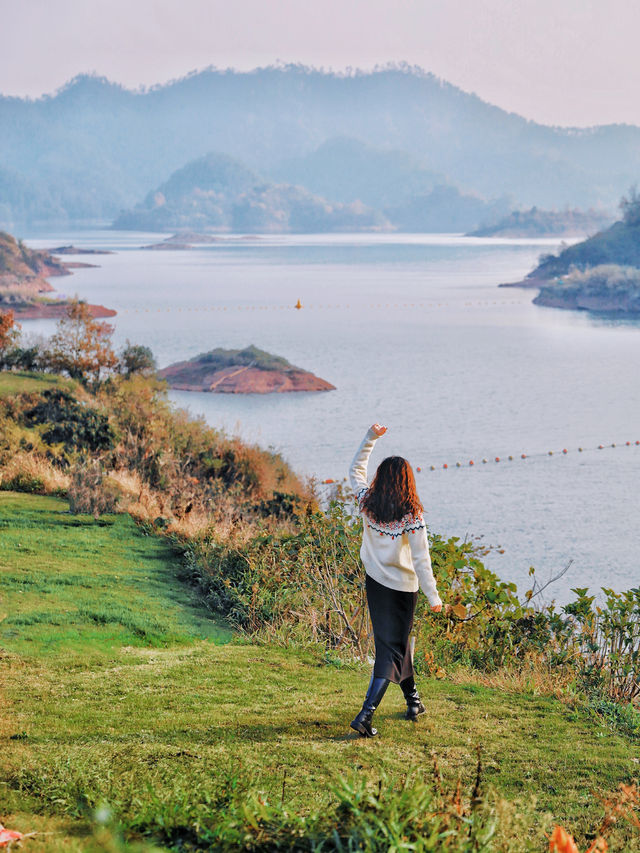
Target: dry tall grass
pixel 29 472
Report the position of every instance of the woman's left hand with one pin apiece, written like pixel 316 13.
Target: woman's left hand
pixel 436 608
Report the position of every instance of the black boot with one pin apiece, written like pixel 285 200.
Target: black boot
pixel 362 723
pixel 414 705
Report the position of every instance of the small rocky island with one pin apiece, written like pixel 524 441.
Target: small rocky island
pixel 75 250
pixel 247 371
pixel 536 222
pixel 23 282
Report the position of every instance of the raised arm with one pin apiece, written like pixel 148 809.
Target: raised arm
pixel 422 562
pixel 358 469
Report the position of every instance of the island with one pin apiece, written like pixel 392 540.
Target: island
pixel 246 371
pixel 188 239
pixel 75 250
pixel 536 222
pixel 23 282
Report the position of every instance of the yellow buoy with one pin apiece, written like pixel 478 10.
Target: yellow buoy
pixel 298 305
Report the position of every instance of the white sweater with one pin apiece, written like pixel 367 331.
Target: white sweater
pixel 395 554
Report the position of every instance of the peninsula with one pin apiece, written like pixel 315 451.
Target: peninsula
pixel 600 274
pixel 604 289
pixel 247 371
pixel 23 282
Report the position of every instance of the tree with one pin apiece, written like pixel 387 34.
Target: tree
pixel 630 207
pixel 136 358
pixel 81 346
pixel 9 334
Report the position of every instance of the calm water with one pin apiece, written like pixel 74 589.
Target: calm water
pixel 415 334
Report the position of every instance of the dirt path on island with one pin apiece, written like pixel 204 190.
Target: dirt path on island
pixel 215 384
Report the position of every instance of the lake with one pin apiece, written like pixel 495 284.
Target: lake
pixel 414 333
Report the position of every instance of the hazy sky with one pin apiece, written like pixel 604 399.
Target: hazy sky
pixel 571 62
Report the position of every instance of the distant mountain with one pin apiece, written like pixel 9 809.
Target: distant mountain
pixel 346 169
pixel 218 193
pixel 94 148
pixel 445 208
pixel 545 223
pixel 411 196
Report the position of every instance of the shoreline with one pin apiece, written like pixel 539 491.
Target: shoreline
pixel 54 310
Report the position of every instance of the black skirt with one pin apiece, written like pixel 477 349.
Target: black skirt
pixel 392 619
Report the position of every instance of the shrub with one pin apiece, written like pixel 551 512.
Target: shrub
pixel 91 492
pixel 29 472
pixel 70 423
pixel 307 585
pixel 135 358
pixel 630 207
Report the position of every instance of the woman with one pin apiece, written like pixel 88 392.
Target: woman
pixel 395 554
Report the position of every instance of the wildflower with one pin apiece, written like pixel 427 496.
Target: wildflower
pixel 561 842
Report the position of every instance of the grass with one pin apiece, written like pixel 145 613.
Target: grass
pixel 24 382
pixel 70 583
pixel 120 691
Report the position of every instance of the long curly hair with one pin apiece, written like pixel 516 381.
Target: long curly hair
pixel 392 494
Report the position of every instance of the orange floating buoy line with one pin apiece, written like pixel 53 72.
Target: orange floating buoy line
pixel 533 456
pixel 404 306
pixel 565 452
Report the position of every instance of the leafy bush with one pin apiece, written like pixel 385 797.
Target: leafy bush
pixel 135 358
pixel 307 585
pixel 311 577
pixel 605 641
pixel 68 422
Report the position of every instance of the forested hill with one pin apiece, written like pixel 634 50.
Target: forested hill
pixel 94 148
pixel 619 244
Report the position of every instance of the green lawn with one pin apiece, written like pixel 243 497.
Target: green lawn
pixel 23 382
pixel 119 690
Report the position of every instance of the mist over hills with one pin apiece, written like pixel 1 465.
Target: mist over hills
pixel 382 138
pixel 219 193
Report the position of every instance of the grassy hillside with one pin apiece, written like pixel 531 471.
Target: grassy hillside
pixel 125 710
pixel 17 260
pixel 22 382
pixel 69 582
pixel 23 271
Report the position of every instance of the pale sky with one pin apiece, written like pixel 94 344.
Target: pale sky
pixel 568 62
